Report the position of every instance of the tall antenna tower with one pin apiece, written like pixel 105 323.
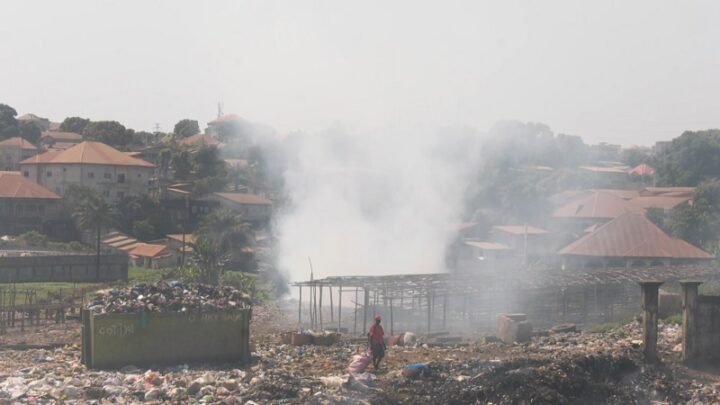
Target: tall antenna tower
pixel 157 127
pixel 220 110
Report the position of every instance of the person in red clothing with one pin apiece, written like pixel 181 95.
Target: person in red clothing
pixel 376 339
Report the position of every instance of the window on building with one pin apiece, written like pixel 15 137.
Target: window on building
pixel 108 175
pixel 120 195
pixel 64 169
pixel 91 175
pixel 139 175
pixel 48 174
pixel 26 173
pixel 121 178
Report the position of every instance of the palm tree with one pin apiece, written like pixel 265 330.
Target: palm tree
pixel 226 229
pixel 94 213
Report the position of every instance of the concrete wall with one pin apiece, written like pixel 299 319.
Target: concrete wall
pixel 117 340
pixel 104 179
pixel 62 268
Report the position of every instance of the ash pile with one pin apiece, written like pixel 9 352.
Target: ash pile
pixel 168 296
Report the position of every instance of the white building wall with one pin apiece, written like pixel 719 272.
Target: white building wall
pixel 112 182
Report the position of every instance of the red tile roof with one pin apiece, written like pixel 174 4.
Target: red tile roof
pixel 521 229
pixel 642 170
pixel 89 153
pixel 632 235
pixel 245 199
pixel 62 136
pixel 15 185
pixel 599 205
pixel 17 141
pixel 149 250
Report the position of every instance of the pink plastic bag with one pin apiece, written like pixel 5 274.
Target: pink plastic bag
pixel 359 363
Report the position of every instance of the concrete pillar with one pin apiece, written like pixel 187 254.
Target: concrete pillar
pixel 649 290
pixel 689 332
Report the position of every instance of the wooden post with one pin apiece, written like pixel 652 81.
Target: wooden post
pixel 321 308
pixel 445 304
pixel 310 305
pixel 339 307
pixel 429 310
pixel 299 307
pixel 365 309
pixel 332 317
pixel 391 318
pixel 649 290
pixel 690 351
pixel 356 311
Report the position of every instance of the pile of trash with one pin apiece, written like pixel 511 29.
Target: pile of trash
pixel 168 296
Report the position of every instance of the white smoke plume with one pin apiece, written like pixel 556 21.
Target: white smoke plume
pixel 373 203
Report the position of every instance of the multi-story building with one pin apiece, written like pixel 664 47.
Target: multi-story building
pixel 24 204
pixel 108 171
pixel 59 140
pixel 15 150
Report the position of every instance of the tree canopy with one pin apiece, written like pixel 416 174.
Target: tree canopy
pixel 8 123
pixel 29 131
pixel 690 159
pixel 110 132
pixel 186 127
pixel 74 124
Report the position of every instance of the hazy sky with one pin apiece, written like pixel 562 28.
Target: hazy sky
pixel 618 71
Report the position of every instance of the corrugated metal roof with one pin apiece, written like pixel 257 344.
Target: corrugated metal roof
pixel 244 198
pixel 599 205
pixel 632 235
pixel 642 170
pixel 200 139
pixel 92 153
pixel 15 185
pixel 149 250
pixel 521 229
pixel 659 201
pixel 487 245
pixel 189 237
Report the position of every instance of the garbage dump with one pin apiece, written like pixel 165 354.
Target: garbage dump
pixel 166 323
pixel 557 368
pixel 164 296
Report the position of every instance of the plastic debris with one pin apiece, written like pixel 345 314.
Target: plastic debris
pixel 166 296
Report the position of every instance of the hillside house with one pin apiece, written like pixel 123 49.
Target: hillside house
pixel 586 210
pixel 59 140
pixel 13 151
pixel 252 208
pixel 108 171
pixel 629 240
pixel 24 204
pixel 525 240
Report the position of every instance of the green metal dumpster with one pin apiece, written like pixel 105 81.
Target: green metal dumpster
pixel 117 340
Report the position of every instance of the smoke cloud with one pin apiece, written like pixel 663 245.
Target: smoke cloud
pixel 374 202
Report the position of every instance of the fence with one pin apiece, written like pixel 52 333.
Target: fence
pixel 56 267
